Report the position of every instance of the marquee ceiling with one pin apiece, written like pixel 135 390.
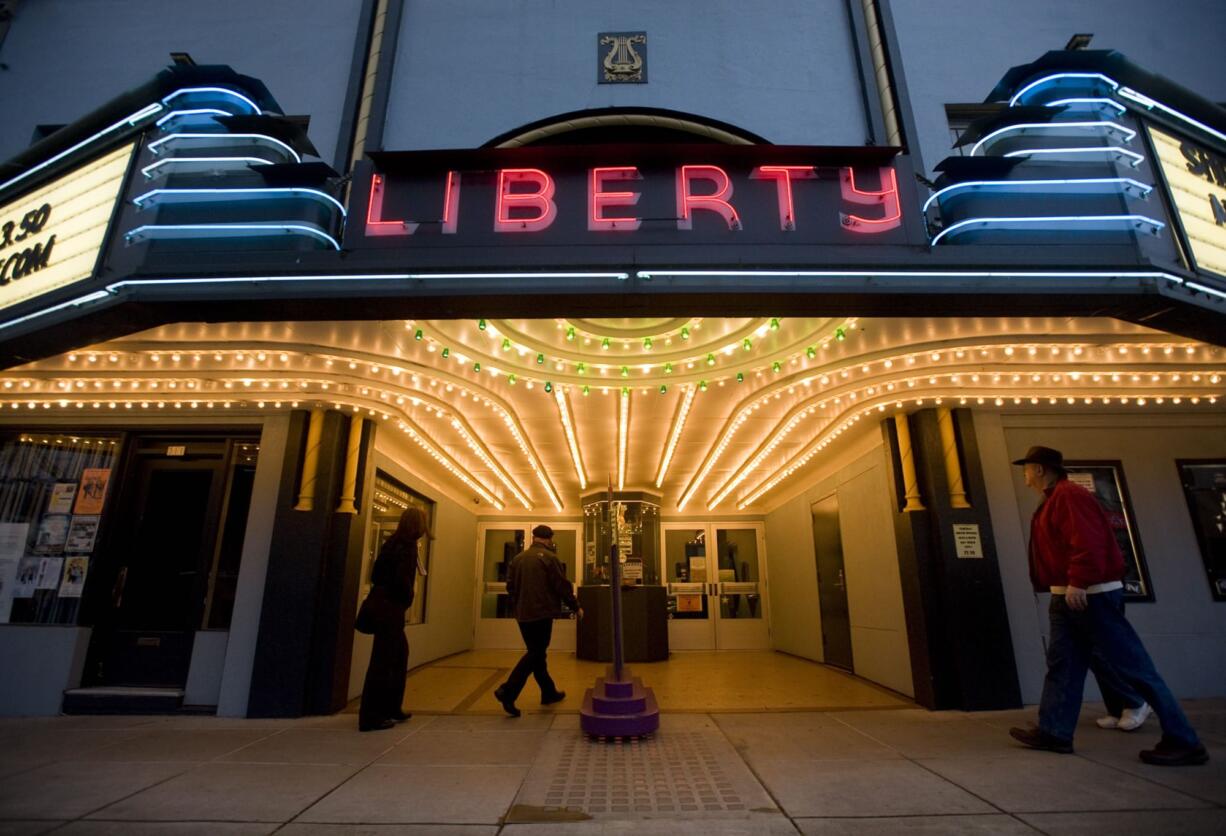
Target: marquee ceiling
pixel 718 414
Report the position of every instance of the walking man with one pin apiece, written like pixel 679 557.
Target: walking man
pixel 1074 555
pixel 537 585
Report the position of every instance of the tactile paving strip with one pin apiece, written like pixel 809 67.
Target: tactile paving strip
pixel 688 770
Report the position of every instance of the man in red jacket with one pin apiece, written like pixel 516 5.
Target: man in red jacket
pixel 1074 555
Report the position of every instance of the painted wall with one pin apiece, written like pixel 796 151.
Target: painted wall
pixel 467 71
pixel 874 587
pixel 449 594
pixel 66 57
pixel 1184 629
pixel 955 51
pixel 40 662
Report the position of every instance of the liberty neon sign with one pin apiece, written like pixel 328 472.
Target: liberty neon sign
pixel 528 200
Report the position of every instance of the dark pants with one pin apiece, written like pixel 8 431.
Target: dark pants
pixel 383 692
pixel 536 639
pixel 1101 628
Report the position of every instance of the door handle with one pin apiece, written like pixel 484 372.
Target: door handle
pixel 117 590
pixel 841 583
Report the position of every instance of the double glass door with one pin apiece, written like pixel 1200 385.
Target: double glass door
pixel 716 586
pixel 497 545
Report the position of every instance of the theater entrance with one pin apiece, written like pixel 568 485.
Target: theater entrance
pixel 716 586
pixel 497 545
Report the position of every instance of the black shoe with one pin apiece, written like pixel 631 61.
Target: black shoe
pixel 1039 739
pixel 402 716
pixel 1172 753
pixel 382 725
pixel 508 705
pixel 557 697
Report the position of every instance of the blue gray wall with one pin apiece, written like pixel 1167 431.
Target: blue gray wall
pixel 469 70
pixel 67 57
pixel 954 51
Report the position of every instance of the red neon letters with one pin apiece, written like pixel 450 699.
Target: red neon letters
pixel 717 202
pixel 598 199
pixel 524 200
pixel 783 175
pixel 540 200
pixel 887 198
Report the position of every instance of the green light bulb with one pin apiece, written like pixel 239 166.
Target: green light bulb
pixel 685 333
pixel 702 386
pixel 570 334
pixel 548 386
pixel 586 390
pixel 747 344
pixel 582 369
pixel 668 368
pixel 710 359
pixel 740 377
pixel 663 389
pixel 810 352
pixel 605 343
pixel 419 335
pixel 625 371
pixel 647 343
pixel 476 367
pixel 840 334
pixel 776 366
pixel 446 353
pixel 481 324
pixel 540 359
pixel 775 324
pixel 511 379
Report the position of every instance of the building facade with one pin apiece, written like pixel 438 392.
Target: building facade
pixel 791 286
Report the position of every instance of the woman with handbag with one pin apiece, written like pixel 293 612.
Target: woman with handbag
pixel 382 615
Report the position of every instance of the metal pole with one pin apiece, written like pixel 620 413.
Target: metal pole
pixel 615 582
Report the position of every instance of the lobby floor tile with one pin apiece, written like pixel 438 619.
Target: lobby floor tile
pixel 417 794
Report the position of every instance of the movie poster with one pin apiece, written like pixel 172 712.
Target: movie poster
pixel 73 583
pixel 81 534
pixel 1106 481
pixel 52 532
pixel 61 498
pixel 92 494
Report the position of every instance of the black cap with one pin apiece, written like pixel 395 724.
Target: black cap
pixel 1044 456
pixel 544 532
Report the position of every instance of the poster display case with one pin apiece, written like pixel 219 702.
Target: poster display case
pixel 1105 479
pixel 1204 488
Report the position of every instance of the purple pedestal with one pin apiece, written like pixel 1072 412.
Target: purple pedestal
pixel 619 707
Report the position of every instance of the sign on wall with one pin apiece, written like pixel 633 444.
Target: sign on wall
pixel 51 237
pixel 597 197
pixel 1197 180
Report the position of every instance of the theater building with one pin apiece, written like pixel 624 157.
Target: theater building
pixel 766 300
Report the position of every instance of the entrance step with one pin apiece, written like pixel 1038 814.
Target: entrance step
pixel 120 700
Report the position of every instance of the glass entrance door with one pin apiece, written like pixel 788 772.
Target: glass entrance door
pixel 497 545
pixel 716 586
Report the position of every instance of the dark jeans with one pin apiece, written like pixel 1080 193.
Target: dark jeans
pixel 536 639
pixel 1101 628
pixel 1117 694
pixel 383 691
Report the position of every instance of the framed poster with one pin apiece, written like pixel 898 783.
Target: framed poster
pixel 82 532
pixel 1105 479
pixel 1204 487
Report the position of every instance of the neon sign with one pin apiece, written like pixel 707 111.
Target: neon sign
pixel 689 195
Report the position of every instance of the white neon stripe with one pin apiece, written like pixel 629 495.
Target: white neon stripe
pixel 198 111
pixel 1062 218
pixel 153 195
pixel 935 274
pixel 130 120
pixel 1147 102
pixel 1203 289
pixel 1032 85
pixel 116 287
pixel 223 228
pixel 154 146
pixel 1073 101
pixel 1137 159
pixel 247 161
pixel 1108 127
pixel 1006 185
pixel 224 90
pixel 623 432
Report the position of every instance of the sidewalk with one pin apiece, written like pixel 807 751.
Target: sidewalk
pixel 873 771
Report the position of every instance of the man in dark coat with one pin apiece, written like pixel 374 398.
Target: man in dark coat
pixel 537 586
pixel 1075 557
